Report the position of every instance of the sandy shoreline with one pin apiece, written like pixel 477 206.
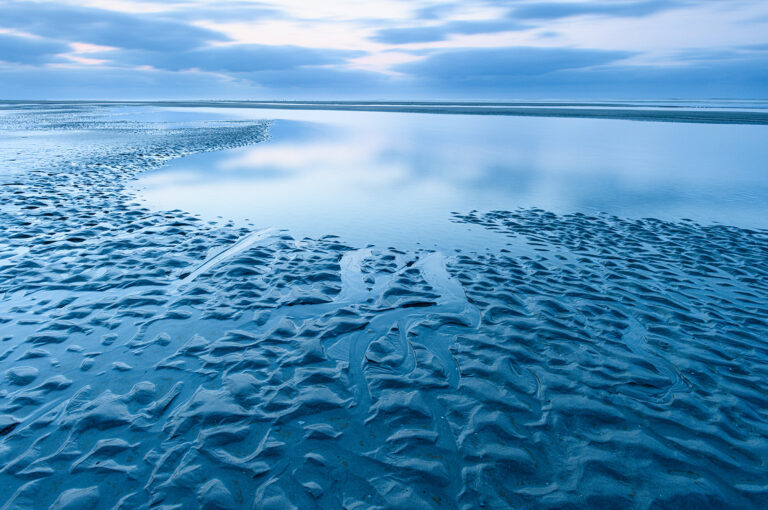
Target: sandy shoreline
pixel 649 112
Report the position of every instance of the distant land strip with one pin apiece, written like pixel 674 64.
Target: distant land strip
pixel 642 111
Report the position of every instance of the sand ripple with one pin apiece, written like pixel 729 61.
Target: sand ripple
pixel 155 360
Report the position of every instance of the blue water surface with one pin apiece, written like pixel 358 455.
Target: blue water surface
pixel 396 177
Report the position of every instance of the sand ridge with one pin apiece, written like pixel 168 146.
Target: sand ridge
pixel 154 360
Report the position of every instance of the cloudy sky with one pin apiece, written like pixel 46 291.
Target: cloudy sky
pixel 383 49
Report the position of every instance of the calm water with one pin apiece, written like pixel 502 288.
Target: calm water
pixel 393 178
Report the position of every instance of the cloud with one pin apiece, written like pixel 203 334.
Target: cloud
pixel 121 83
pixel 556 10
pixel 222 11
pixel 104 27
pixel 235 58
pixel 519 73
pixel 742 76
pixel 484 26
pixel 333 81
pixel 110 83
pixel 498 64
pixel 436 11
pixel 738 77
pixel 186 60
pixel 407 35
pixel 29 50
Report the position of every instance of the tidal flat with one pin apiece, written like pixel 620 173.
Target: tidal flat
pixel 240 306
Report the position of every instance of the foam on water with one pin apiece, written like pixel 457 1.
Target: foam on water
pixel 151 359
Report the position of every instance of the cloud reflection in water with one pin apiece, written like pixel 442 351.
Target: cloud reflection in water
pixel 395 178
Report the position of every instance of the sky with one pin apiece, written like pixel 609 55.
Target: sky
pixel 384 49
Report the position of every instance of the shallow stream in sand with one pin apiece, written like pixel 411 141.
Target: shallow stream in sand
pixel 446 320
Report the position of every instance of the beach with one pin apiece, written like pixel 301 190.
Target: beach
pixel 233 305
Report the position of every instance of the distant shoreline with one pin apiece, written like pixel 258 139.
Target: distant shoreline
pixel 638 111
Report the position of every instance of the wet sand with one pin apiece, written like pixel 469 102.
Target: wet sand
pixel 151 359
pixel 654 112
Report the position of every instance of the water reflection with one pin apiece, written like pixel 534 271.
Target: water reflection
pixel 393 178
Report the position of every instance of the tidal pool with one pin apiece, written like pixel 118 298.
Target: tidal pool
pixel 392 178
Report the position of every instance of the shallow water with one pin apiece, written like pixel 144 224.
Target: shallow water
pixel 154 358
pixel 395 178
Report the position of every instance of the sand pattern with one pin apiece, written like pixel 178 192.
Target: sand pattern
pixel 153 360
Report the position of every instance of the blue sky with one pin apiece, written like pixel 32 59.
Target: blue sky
pixel 383 49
